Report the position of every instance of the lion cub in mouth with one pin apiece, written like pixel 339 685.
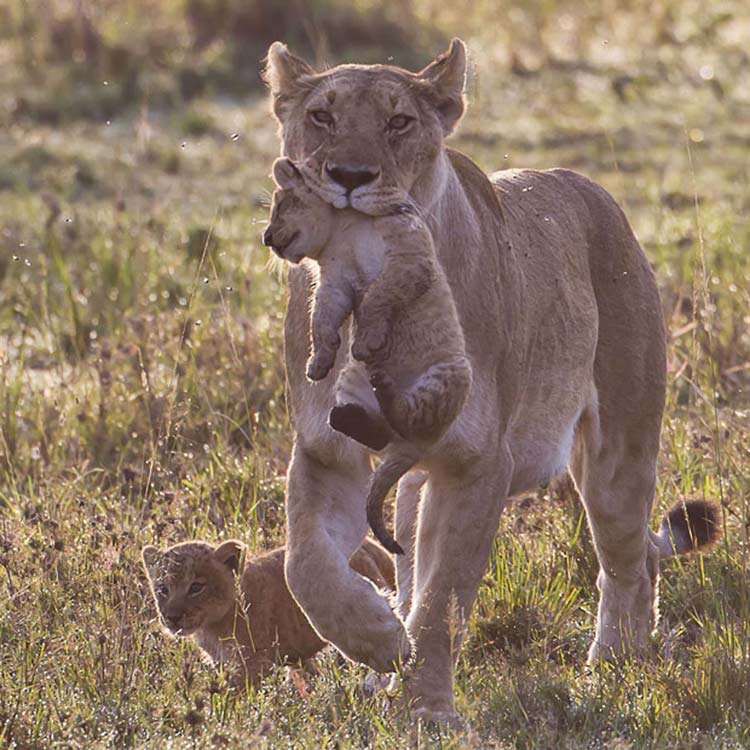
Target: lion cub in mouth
pixel 407 334
pixel 249 627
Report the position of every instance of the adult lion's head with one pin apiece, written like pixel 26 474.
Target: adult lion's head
pixel 366 132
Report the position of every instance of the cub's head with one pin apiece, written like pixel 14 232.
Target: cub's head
pixel 193 583
pixel 300 223
pixel 373 129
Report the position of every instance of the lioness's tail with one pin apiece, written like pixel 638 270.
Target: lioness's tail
pixel 394 466
pixel 689 526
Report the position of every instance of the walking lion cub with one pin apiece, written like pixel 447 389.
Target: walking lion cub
pixel 383 269
pixel 247 627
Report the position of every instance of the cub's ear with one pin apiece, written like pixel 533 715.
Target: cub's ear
pixel 446 78
pixel 230 554
pixel 283 74
pixel 285 174
pixel 151 557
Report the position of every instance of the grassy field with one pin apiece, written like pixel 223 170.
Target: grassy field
pixel 142 383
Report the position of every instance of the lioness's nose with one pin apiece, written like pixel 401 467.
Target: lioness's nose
pixel 351 178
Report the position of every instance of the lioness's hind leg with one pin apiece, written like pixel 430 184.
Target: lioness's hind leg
pixel 617 478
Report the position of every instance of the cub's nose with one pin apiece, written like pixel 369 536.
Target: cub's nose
pixel 351 178
pixel 173 623
pixel 268 237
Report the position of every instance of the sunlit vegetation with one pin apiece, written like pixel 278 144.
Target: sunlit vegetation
pixel 142 380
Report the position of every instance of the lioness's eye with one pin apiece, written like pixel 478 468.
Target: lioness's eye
pixel 162 590
pixel 399 122
pixel 196 588
pixel 321 117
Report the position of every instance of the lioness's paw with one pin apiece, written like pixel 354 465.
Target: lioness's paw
pixel 442 720
pixel 388 649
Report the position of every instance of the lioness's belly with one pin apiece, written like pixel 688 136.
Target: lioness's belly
pixel 556 378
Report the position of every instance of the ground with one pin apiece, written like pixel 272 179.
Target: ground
pixel 142 401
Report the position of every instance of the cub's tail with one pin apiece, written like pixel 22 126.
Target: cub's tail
pixel 394 466
pixel 689 526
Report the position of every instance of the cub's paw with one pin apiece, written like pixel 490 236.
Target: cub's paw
pixel 370 341
pixel 385 388
pixel 354 422
pixel 320 364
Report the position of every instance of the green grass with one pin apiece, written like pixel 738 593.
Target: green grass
pixel 142 400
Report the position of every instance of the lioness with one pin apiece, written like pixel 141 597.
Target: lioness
pixel 407 331
pixel 248 628
pixel 564 333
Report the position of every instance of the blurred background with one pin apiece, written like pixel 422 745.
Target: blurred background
pixel 141 354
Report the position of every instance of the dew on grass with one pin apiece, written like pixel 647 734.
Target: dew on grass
pixel 235 136
pixel 27 263
pixel 228 288
pixel 16 258
pixel 206 279
pixel 182 301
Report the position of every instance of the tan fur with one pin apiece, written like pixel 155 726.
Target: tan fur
pixel 247 625
pixel 563 329
pixel 407 332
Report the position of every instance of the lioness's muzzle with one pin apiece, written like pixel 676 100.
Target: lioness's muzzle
pixel 351 178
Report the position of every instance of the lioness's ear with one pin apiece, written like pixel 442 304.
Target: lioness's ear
pixel 282 74
pixel 151 557
pixel 285 174
pixel 230 554
pixel 446 76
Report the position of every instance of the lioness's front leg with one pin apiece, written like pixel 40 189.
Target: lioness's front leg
pixel 407 506
pixel 457 525
pixel 326 524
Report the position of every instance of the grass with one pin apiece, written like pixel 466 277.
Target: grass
pixel 142 400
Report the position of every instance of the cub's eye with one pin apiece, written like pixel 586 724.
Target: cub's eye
pixel 196 588
pixel 321 117
pixel 399 122
pixel 162 591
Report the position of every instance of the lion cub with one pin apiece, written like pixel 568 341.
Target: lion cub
pixel 249 627
pixel 407 332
